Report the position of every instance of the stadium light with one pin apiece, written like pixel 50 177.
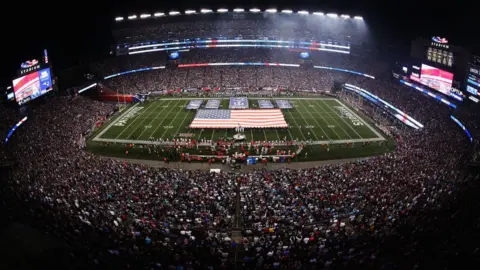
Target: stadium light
pixel 159 14
pixel 173 13
pixel 119 19
pixel 303 12
pixel 205 10
pixel 239 10
pixel 358 18
pixel 288 11
pixel 222 10
pixel 318 13
pixel 271 10
pixel 143 16
pixel 345 16
pixel 254 10
pixel 189 11
pixel 132 17
pixel 333 15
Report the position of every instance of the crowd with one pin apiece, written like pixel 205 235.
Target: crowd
pixel 116 214
pixel 293 78
pixel 293 27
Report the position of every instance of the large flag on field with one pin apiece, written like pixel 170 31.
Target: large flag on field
pixel 264 118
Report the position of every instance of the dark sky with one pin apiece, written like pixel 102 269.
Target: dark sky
pixel 77 30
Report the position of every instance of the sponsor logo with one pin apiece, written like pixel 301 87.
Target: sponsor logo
pixel 123 120
pixel 346 114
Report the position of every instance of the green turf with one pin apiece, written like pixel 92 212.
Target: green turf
pixel 319 120
pixel 315 119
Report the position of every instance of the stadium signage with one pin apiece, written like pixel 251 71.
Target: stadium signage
pixel 438 39
pixel 123 120
pixel 29 63
pixel 349 115
pixel 29 69
pixel 440 45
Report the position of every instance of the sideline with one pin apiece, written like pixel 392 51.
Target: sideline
pixel 245 168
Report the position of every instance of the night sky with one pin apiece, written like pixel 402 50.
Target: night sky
pixel 75 31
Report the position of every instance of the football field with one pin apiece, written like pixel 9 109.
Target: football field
pixel 319 120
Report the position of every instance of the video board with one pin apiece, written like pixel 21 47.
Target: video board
pixel 32 85
pixel 440 56
pixel 473 80
pixel 434 78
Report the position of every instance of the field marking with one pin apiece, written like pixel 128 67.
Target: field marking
pixel 187 114
pixel 175 117
pixel 213 132
pixel 278 136
pixel 153 119
pixel 324 120
pixel 307 124
pixel 225 98
pixel 297 125
pixel 350 126
pixel 133 121
pixel 265 135
pixel 314 118
pixel 348 134
pixel 200 135
pixel 361 120
pixel 239 144
pixel 114 122
pixel 151 134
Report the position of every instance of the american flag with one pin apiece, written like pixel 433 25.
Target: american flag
pixel 265 118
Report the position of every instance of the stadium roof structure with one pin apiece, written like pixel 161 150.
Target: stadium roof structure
pixel 187 12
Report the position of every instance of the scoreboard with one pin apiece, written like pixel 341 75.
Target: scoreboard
pixel 440 56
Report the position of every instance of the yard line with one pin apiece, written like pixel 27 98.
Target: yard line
pixel 251 133
pixel 278 136
pixel 200 135
pixel 151 134
pixel 155 118
pixel 346 121
pixel 171 121
pixel 188 112
pixel 114 122
pixel 361 119
pixel 148 117
pixel 264 135
pixel 291 136
pixel 315 119
pixel 348 134
pixel 308 123
pixel 340 137
pixel 296 124
pixel 213 132
pixel 133 121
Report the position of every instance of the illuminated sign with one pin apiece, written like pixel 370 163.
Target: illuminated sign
pixel 29 63
pixel 474 99
pixel 440 40
pixel 472 90
pixel 445 46
pixel 29 69
pixel 457 92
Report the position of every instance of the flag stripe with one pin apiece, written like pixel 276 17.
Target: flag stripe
pixel 268 118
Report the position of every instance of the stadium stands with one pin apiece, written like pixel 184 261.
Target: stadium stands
pixel 114 214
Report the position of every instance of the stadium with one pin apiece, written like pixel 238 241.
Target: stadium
pixel 245 139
